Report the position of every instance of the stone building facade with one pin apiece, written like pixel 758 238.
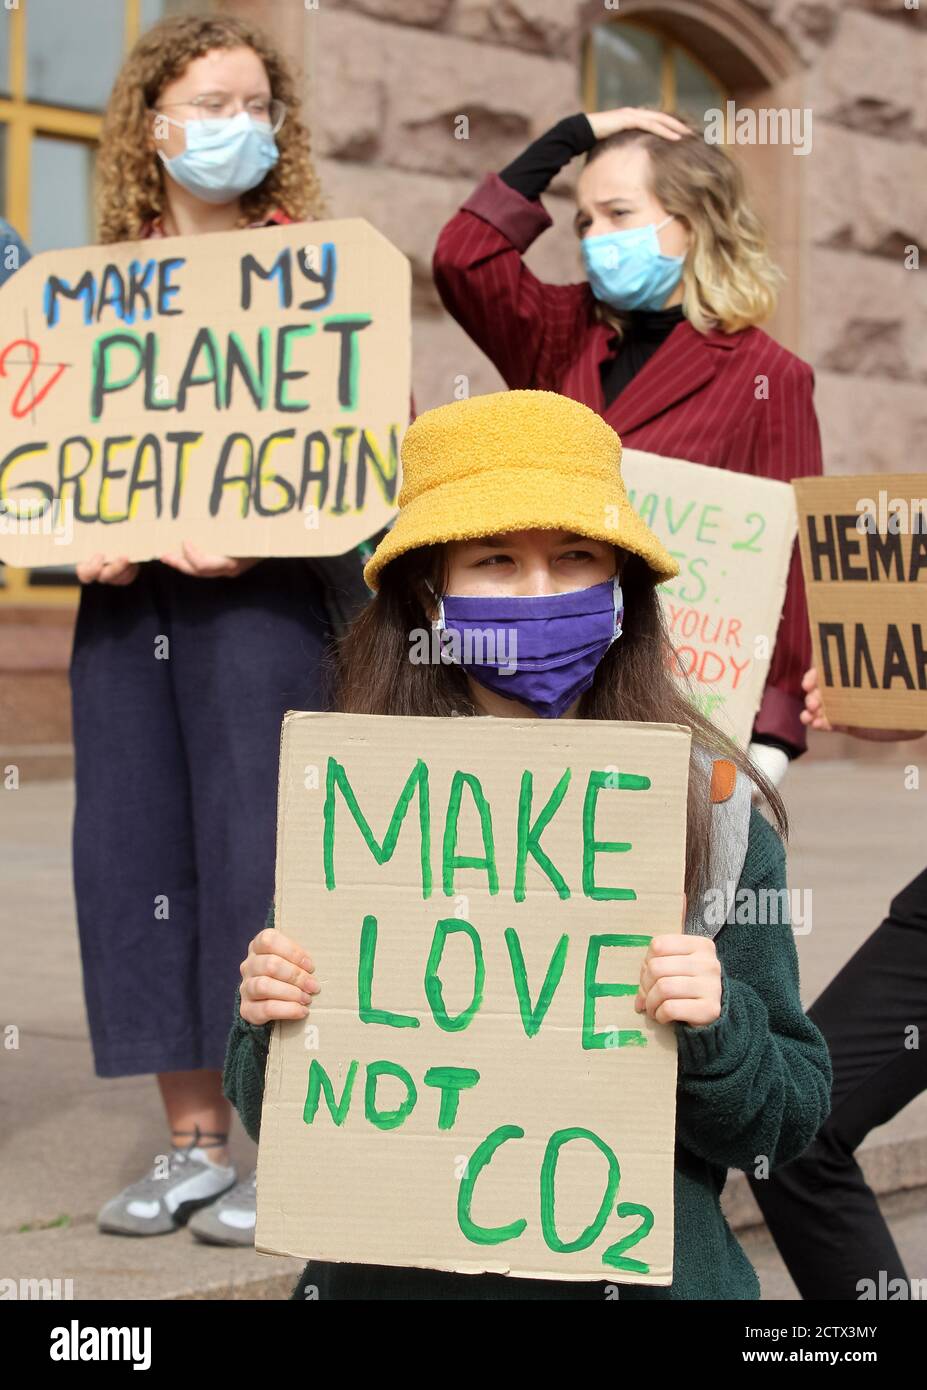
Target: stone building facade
pixel 386 81
pixel 410 102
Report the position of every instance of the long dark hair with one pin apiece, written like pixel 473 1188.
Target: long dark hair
pixel 632 682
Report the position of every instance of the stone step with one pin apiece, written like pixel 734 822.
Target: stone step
pixel 897 1165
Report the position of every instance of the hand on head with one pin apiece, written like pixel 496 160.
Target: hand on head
pixel 605 123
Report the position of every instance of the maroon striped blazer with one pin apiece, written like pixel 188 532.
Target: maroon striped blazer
pixel 694 399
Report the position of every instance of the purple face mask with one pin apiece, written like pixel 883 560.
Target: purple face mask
pixel 542 650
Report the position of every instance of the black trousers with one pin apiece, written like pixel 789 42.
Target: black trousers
pixel 822 1214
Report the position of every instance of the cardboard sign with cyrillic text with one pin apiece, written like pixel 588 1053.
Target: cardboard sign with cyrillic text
pixel 473 1089
pixel 732 535
pixel 864 557
pixel 246 391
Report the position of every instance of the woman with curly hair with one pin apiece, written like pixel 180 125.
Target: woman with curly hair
pixel 661 338
pixel 176 759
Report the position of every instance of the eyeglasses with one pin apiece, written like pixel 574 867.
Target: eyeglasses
pixel 220 106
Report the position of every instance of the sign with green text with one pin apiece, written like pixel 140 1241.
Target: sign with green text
pixel 246 391
pixel 732 535
pixel 472 1089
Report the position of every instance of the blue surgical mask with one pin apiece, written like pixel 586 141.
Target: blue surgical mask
pixel 224 158
pixel 627 269
pixel 541 650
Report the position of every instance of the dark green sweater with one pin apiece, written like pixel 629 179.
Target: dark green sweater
pixel 754 1083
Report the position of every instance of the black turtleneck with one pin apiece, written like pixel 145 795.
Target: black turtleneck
pixel 645 330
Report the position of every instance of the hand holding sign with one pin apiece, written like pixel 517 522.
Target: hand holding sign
pixel 196 562
pixel 472 1090
pixel 813 715
pixel 276 979
pixel 680 981
pixel 120 570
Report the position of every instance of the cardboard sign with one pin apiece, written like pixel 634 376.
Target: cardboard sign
pixel 246 391
pixel 732 535
pixel 864 557
pixel 472 1089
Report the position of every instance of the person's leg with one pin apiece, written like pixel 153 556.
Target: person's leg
pixel 822 1214
pixel 136 891
pixel 251 648
pixel 134 871
pixel 248 650
pixel 197 1111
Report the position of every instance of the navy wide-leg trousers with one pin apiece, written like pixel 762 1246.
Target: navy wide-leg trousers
pixel 179 686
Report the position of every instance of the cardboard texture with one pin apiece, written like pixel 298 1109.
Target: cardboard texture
pixel 246 391
pixel 732 535
pixel 388 1193
pixel 864 558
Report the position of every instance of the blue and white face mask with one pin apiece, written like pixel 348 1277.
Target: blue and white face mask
pixel 627 269
pixel 224 158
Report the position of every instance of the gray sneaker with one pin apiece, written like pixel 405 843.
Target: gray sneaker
pixel 155 1205
pixel 230 1221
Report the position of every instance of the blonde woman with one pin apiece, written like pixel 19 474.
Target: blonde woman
pixel 175 759
pixel 662 337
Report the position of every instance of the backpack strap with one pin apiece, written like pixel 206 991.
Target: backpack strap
pixel 731 800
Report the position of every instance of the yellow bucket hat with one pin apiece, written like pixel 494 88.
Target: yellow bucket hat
pixel 514 461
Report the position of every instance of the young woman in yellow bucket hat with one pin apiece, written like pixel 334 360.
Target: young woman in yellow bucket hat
pixel 514 520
